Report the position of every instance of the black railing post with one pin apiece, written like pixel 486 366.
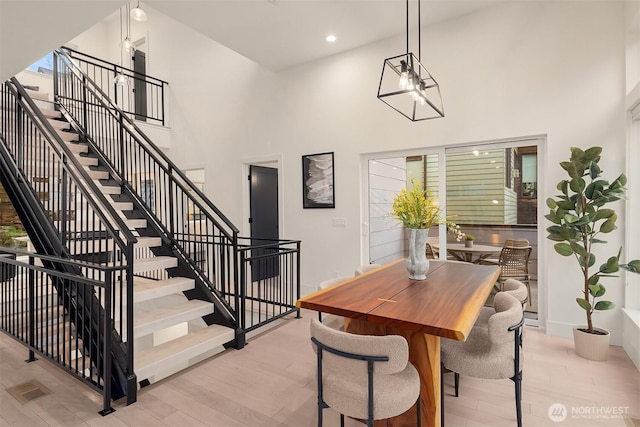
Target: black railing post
pixel 121 136
pixel 163 109
pixel 298 274
pixel 19 133
pixel 56 87
pixel 32 312
pixel 132 382
pixel 85 112
pixel 106 347
pixel 172 219
pixel 62 216
pixel 115 84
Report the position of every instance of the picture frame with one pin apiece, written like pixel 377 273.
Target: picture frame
pixel 318 181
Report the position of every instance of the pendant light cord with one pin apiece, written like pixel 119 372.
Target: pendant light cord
pixel 407 3
pixel 419 38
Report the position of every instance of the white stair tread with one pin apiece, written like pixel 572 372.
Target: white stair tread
pixel 87 161
pixel 51 113
pixel 181 349
pixel 147 289
pixel 59 124
pixel 147 322
pixel 149 242
pixel 68 136
pixel 155 263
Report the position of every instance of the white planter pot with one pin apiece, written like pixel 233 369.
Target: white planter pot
pixel 591 346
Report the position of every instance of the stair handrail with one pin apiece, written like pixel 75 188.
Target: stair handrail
pixel 175 176
pixel 156 151
pixel 69 157
pixel 123 352
pixel 118 68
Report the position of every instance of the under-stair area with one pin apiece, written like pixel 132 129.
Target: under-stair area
pixel 104 252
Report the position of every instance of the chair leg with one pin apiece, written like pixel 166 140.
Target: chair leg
pixel 456 382
pixel 341 420
pixel 320 316
pixel 518 383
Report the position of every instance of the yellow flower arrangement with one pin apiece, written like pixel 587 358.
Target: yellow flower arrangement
pixel 418 209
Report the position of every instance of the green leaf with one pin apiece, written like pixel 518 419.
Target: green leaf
pixel 563 249
pixel 579 249
pixel 566 205
pixel 593 154
pixel 577 185
pixel 604 305
pixel 562 186
pixel 633 266
pixel 570 218
pixel 603 213
pixel 622 179
pixel 574 168
pixel 596 290
pixel 554 218
pixel 609 225
pixel 584 262
pixel 594 170
pixel 551 203
pixel 611 266
pixel 584 304
pixel 593 280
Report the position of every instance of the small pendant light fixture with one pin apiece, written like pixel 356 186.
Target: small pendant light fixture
pixel 121 79
pixel 138 14
pixel 407 86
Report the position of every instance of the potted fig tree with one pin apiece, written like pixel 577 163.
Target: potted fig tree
pixel 581 215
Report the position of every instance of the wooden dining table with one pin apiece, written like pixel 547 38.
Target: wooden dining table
pixel 385 301
pixel 474 254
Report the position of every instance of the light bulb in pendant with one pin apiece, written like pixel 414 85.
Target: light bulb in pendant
pixel 127 44
pixel 404 78
pixel 121 79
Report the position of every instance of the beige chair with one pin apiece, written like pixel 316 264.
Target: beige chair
pixel 512 287
pixel 366 268
pixel 331 320
pixel 431 252
pixel 491 353
pixel 362 376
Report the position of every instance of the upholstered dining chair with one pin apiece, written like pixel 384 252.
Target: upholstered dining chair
pixel 512 287
pixel 363 376
pixel 331 320
pixel 491 353
pixel 366 268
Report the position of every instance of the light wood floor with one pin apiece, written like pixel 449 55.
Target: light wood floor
pixel 271 383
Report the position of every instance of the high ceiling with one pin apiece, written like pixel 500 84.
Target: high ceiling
pixel 279 34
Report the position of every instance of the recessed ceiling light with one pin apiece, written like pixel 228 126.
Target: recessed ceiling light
pixel 331 38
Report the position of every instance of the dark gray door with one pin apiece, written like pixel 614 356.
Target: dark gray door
pixel 263 199
pixel 140 84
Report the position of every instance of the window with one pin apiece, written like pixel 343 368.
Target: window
pixel 43 65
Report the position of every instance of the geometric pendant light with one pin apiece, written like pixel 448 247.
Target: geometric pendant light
pixel 407 86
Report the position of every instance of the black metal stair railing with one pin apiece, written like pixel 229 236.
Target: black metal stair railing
pixel 45 308
pixel 105 75
pixel 203 238
pixel 67 216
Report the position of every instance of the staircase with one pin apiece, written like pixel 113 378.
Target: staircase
pixel 169 331
pixel 132 254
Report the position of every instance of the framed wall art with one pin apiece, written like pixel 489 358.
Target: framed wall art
pixel 318 181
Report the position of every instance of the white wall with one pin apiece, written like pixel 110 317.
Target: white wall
pixel 527 68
